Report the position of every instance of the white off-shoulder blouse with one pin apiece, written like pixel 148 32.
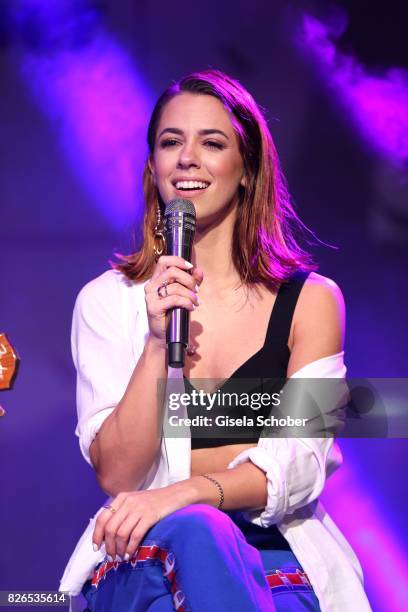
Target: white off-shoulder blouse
pixel 108 334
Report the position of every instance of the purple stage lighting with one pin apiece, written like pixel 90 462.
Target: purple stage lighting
pixel 377 103
pixel 93 96
pixel 358 510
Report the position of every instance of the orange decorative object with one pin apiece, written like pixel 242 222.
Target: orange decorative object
pixel 8 363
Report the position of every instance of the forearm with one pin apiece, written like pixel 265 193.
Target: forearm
pixel 129 439
pixel 245 487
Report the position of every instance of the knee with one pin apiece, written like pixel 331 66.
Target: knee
pixel 196 519
pixel 197 515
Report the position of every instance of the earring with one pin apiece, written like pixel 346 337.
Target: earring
pixel 159 241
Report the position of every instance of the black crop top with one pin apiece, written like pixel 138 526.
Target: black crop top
pixel 264 372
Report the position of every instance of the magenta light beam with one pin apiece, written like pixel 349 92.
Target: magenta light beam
pixel 376 103
pixel 94 98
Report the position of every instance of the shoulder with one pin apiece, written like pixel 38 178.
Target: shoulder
pixel 102 285
pixel 98 294
pixel 107 295
pixel 320 294
pixel 318 323
pixel 108 288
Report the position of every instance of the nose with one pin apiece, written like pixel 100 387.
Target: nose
pixel 189 156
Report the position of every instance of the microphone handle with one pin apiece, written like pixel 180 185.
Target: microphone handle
pixel 178 243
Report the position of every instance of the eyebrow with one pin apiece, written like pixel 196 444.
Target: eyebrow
pixel 201 132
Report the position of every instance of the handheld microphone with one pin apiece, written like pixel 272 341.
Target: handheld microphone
pixel 179 229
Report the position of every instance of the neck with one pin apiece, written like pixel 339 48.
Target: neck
pixel 212 252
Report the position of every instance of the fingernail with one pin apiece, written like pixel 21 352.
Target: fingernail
pixel 95 546
pixel 197 300
pixel 188 264
pixel 126 557
pixel 117 558
pixel 110 558
pixel 197 287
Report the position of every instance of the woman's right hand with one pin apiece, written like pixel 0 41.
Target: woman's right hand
pixel 182 288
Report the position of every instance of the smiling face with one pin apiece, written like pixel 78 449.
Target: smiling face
pixel 196 156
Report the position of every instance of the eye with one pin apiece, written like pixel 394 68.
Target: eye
pixel 213 144
pixel 168 142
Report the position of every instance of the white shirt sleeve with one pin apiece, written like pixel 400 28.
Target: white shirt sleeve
pixel 296 468
pixel 102 354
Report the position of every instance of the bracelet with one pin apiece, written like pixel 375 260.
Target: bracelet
pixel 220 489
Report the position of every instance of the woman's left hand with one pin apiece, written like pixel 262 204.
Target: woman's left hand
pixel 124 523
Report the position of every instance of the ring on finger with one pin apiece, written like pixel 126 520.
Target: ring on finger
pixel 160 289
pixel 109 507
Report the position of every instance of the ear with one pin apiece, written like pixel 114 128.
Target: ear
pixel 243 182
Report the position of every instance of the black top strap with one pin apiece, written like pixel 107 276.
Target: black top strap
pixel 282 313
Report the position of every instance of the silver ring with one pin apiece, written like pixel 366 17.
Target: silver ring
pixel 163 286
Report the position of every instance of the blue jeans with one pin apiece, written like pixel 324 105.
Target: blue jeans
pixel 197 559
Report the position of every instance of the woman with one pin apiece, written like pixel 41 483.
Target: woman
pixel 272 546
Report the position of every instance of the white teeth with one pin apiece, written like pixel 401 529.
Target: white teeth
pixel 191 185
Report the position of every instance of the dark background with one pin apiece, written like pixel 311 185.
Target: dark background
pixel 77 83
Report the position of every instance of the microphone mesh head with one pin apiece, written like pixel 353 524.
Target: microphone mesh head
pixel 179 205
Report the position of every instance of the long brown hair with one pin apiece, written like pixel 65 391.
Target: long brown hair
pixel 265 249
